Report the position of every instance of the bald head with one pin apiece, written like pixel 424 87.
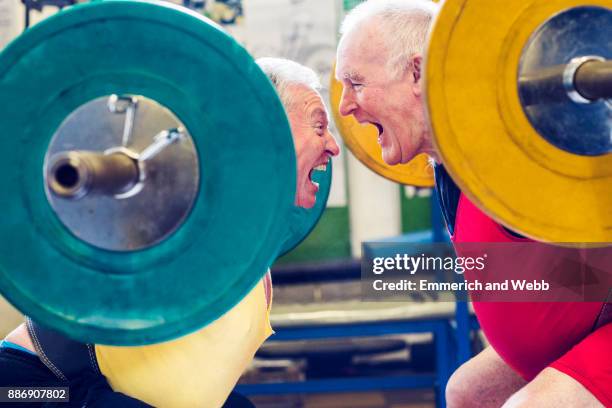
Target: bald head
pixel 396 28
pixel 379 63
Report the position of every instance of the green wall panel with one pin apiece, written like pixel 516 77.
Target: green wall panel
pixel 329 239
pixel 416 212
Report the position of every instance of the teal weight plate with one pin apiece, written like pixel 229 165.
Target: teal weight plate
pixel 235 228
pixel 303 220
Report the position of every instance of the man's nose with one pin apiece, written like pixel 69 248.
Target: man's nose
pixel 331 146
pixel 347 103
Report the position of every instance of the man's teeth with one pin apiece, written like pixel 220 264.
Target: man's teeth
pixel 320 167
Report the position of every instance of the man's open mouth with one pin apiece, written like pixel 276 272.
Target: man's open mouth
pixel 379 128
pixel 318 167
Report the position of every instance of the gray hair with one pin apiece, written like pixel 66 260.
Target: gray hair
pixel 404 26
pixel 283 73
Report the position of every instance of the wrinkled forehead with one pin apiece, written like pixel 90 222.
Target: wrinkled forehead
pixel 360 51
pixel 307 98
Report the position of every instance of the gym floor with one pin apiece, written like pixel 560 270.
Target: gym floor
pixel 390 399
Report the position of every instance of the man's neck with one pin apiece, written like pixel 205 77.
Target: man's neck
pixel 21 337
pixel 429 148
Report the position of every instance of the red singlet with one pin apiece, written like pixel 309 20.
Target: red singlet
pixel 530 336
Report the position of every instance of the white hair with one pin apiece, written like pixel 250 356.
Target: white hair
pixel 283 73
pixel 404 26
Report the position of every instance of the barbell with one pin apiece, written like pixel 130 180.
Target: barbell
pixel 139 209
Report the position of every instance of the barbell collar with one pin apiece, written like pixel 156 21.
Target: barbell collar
pixel 543 86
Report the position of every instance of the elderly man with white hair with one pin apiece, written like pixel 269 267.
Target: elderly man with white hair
pixel 201 368
pixel 297 87
pixel 542 354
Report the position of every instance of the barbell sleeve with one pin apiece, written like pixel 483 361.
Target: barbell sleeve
pixel 583 80
pixel 74 174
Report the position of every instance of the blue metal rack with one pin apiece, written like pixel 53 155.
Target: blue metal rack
pixel 443 340
pixel 451 336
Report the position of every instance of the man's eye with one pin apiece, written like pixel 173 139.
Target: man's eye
pixel 356 86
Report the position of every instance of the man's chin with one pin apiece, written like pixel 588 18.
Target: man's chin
pixel 390 159
pixel 307 201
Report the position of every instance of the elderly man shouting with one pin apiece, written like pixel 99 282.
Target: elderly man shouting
pixel 542 354
pixel 199 369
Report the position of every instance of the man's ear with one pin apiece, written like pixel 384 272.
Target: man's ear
pixel 417 74
pixel 417 64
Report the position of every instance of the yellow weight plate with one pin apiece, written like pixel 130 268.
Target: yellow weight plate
pixel 484 137
pixel 362 142
pixel 196 370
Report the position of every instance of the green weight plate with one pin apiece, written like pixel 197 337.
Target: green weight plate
pixel 303 220
pixel 235 228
